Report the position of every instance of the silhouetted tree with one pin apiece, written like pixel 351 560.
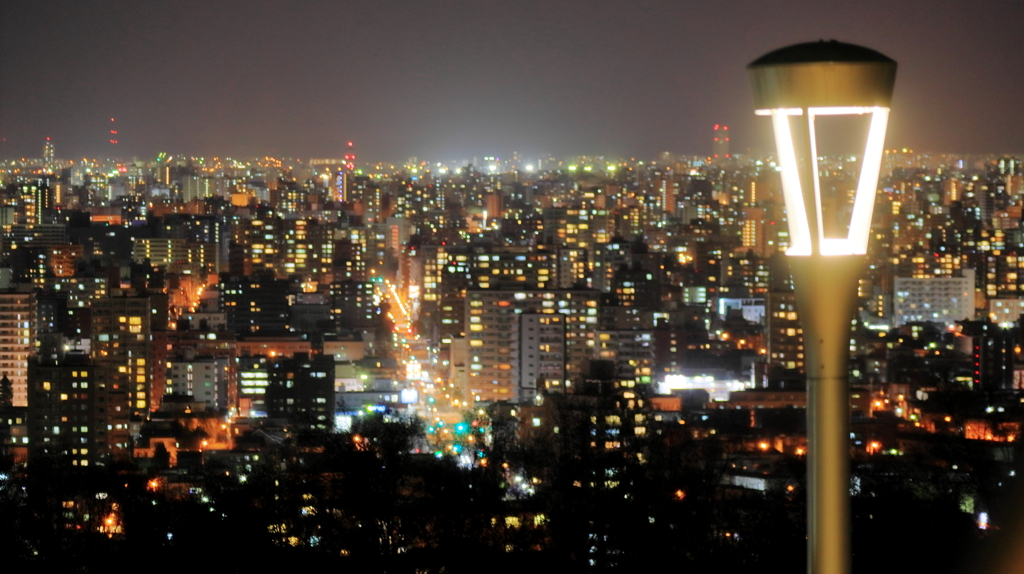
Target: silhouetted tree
pixel 6 393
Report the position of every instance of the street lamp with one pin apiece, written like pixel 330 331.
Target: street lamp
pixel 794 86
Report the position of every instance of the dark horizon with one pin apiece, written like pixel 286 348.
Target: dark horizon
pixel 473 79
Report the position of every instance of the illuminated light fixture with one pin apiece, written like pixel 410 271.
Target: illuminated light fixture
pixel 856 241
pixel 794 86
pixel 823 79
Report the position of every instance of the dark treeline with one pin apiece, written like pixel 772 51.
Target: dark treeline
pixel 362 502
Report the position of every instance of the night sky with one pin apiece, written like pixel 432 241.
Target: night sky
pixel 449 80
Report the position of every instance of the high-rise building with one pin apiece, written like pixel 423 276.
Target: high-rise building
pixel 580 228
pixel 201 340
pixel 935 299
pixel 253 380
pixel 631 352
pixel 510 268
pixel 301 389
pixel 785 334
pixel 540 355
pixel 161 252
pixel 1005 312
pixel 572 268
pixel 991 349
pixel 121 350
pixel 203 378
pixel 493 330
pixel 306 249
pixel 48 152
pixel 255 306
pixel 198 188
pixel 754 235
pixel 353 305
pixel 66 417
pixel 207 236
pixel 451 297
pixel 17 341
pixel 349 262
pixel 720 147
pixel 637 286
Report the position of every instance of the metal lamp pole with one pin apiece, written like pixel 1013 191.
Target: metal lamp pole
pixel 794 86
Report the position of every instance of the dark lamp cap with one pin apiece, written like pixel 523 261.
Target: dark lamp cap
pixel 822 74
pixel 820 51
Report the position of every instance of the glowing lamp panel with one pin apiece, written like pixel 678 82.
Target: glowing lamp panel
pixel 856 241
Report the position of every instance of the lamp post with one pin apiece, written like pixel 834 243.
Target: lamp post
pixel 795 85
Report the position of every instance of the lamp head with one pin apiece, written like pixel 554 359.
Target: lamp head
pixel 823 79
pixel 822 75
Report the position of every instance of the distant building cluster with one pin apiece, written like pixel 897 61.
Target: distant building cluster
pixel 284 294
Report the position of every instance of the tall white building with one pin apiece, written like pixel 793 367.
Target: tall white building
pixel 936 299
pixel 495 334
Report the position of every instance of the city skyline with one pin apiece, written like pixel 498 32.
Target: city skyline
pixel 449 286
pixel 257 78
pixel 413 364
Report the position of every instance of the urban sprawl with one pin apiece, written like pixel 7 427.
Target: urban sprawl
pixel 590 361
